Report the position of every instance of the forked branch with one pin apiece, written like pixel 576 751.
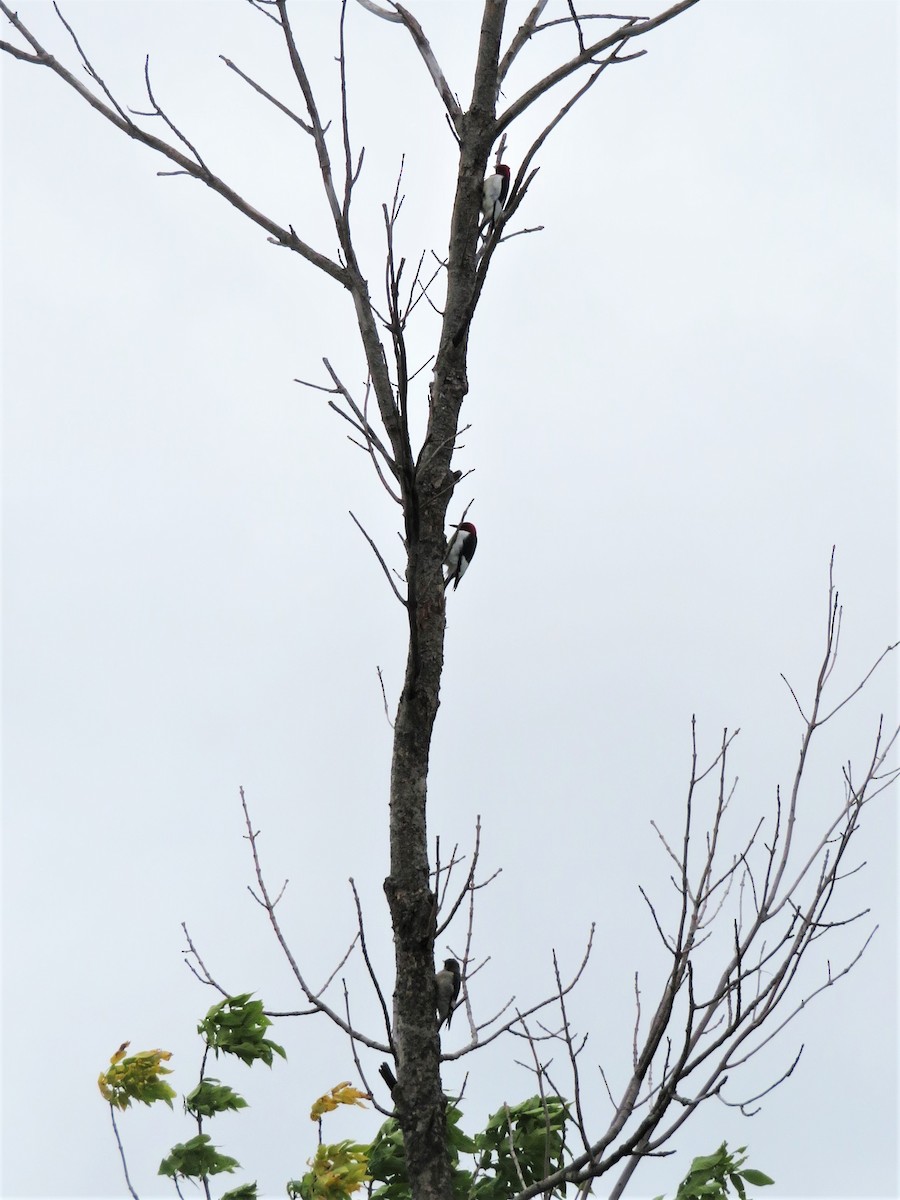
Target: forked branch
pixel 318 1005
pixel 113 112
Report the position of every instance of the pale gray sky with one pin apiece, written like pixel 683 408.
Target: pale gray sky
pixel 683 390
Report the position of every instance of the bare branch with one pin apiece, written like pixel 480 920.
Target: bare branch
pixel 573 1053
pixel 378 11
pixel 352 276
pixel 319 1005
pixel 89 67
pixel 378 555
pixel 509 1026
pixel 573 17
pixel 523 34
pixel 508 237
pixel 373 442
pixel 631 29
pixel 112 1113
pixel 387 715
pixel 283 236
pixel 158 112
pixel 337 970
pixel 263 6
pixel 370 968
pixel 744 1105
pixel 350 176
pixel 358 1064
pixel 318 131
pixel 859 687
pixel 468 886
pixel 796 701
pixel 203 974
pixel 268 95
pixel 454 112
pixel 22 55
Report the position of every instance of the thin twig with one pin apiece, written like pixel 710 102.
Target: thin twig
pixel 112 1113
pixel 268 95
pixel 374 978
pixel 89 67
pixel 378 555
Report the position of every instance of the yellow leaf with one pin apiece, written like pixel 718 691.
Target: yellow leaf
pixel 345 1094
pixel 341 1093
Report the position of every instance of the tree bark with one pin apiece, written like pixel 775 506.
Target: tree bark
pixel 419 1096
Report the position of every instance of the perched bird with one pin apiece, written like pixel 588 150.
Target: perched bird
pixel 447 988
pixel 460 552
pixel 493 193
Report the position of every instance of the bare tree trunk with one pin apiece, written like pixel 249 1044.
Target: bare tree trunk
pixel 419 1095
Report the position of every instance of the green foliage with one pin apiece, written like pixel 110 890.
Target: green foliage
pixel 136 1078
pixel 335 1173
pixel 236 1025
pixel 210 1097
pixel 387 1163
pixel 247 1191
pixel 520 1146
pixel 525 1142
pixel 196 1158
pixel 710 1175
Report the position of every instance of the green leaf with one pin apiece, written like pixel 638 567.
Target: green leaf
pixel 704 1164
pixel 520 1143
pixel 210 1097
pixel 757 1178
pixel 196 1158
pixel 387 1163
pixel 236 1025
pixel 247 1191
pixel 710 1175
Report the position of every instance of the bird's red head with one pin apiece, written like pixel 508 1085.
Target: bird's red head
pixel 467 526
pixel 503 169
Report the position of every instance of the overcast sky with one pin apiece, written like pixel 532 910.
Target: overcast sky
pixel 682 394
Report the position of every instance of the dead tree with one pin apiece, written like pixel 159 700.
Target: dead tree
pixel 695 1037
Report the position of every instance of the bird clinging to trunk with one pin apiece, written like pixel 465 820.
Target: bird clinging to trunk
pixel 460 552
pixel 493 194
pixel 447 990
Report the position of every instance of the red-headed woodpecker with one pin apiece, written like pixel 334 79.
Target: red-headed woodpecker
pixel 460 553
pixel 447 990
pixel 493 194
